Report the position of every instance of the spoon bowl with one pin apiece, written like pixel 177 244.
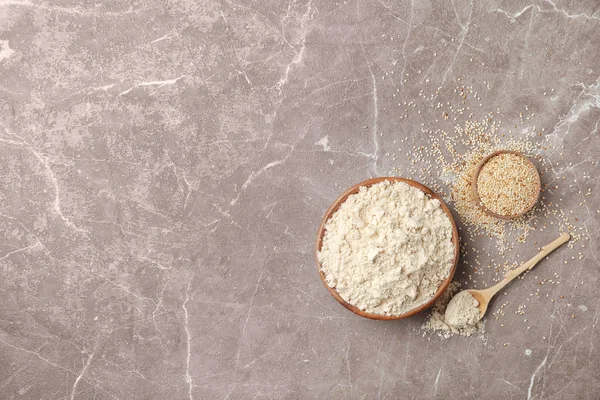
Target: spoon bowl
pixel 481 299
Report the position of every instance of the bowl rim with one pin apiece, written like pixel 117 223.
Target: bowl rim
pixel 335 206
pixel 475 178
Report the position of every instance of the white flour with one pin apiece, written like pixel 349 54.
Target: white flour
pixel 387 248
pixel 462 311
pixel 437 322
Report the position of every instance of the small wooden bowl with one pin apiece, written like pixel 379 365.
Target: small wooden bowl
pixel 334 207
pixel 476 193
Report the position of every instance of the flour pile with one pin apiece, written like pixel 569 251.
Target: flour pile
pixel 387 249
pixel 438 323
pixel 462 311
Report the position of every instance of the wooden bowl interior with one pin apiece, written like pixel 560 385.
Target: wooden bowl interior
pixel 334 207
pixel 476 193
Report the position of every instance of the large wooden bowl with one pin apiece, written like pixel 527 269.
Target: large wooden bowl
pixel 334 207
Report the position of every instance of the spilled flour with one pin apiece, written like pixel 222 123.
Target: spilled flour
pixel 388 248
pixel 437 322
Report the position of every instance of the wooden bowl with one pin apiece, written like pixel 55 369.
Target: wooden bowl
pixel 334 207
pixel 476 193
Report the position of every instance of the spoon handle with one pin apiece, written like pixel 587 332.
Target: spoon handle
pixel 547 249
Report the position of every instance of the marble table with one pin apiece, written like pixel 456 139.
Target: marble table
pixel 165 164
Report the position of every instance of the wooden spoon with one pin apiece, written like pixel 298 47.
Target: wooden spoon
pixel 476 193
pixel 485 296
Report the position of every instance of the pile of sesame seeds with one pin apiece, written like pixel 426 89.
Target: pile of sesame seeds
pixel 455 159
pixel 448 162
pixel 508 184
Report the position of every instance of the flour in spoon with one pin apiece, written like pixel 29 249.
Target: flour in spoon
pixel 462 311
pixel 387 249
pixel 437 322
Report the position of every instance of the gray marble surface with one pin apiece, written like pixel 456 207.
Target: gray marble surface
pixel 165 164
